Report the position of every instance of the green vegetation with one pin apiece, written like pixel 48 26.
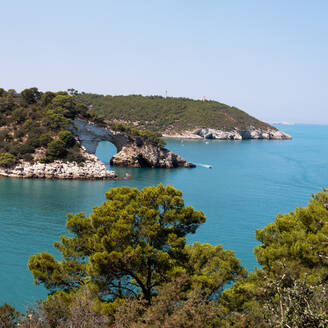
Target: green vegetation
pixel 7 159
pixel 152 137
pixel 30 121
pixel 8 316
pixel 292 285
pixel 170 114
pixel 34 126
pixel 133 244
pixel 34 122
pixel 128 265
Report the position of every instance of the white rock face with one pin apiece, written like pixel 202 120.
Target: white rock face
pixel 148 155
pixel 90 134
pixel 130 151
pixel 92 169
pixel 207 133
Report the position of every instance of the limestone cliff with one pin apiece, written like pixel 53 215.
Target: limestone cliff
pixel 92 169
pixel 251 133
pixel 146 155
pixel 131 151
pixel 236 134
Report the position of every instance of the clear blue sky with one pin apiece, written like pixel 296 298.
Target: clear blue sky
pixel 268 57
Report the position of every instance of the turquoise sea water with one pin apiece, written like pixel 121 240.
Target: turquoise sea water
pixel 250 182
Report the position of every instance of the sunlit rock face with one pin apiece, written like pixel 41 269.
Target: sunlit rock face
pixel 252 133
pixel 131 152
pixel 90 134
pixel 147 155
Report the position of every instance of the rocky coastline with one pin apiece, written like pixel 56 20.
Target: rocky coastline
pixel 146 155
pixel 131 151
pixel 91 169
pixel 252 133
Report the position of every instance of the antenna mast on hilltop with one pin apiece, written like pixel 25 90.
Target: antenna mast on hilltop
pixel 165 93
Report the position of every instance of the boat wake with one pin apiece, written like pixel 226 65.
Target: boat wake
pixel 204 165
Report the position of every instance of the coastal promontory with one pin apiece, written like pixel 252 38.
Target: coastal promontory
pixel 52 135
pixel 55 134
pixel 180 117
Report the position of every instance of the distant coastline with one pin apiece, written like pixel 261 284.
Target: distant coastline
pixel 236 134
pixel 282 123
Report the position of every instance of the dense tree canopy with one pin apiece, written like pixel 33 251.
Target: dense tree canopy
pixel 133 244
pixel 35 124
pixel 294 258
pixel 128 265
pixel 297 241
pixel 161 114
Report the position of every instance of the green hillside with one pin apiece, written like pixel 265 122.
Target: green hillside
pixel 169 114
pixel 34 127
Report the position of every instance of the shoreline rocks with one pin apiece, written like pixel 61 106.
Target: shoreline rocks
pixel 149 156
pixel 89 170
pixel 252 133
pixel 131 151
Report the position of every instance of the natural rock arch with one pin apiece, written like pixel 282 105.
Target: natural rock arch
pixel 90 134
pixel 130 151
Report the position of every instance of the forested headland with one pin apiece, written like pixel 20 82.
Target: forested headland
pixel 169 114
pixel 34 127
pixel 127 264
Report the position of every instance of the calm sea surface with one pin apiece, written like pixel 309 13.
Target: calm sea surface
pixel 250 182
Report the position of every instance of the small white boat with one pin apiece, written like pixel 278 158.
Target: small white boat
pixel 205 165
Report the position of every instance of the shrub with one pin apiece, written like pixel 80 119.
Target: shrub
pixel 34 139
pixel 28 158
pixel 19 133
pixel 25 148
pixel 56 149
pixel 56 121
pixel 19 115
pixel 47 97
pixel 45 139
pixel 8 316
pixel 75 156
pixel 140 135
pixel 67 138
pixel 31 96
pixel 7 160
pixel 44 160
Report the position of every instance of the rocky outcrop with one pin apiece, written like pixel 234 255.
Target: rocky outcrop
pixel 92 169
pixel 251 133
pixel 147 155
pixel 132 152
pixel 90 134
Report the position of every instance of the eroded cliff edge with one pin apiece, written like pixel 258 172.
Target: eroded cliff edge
pixel 131 151
pixel 236 134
